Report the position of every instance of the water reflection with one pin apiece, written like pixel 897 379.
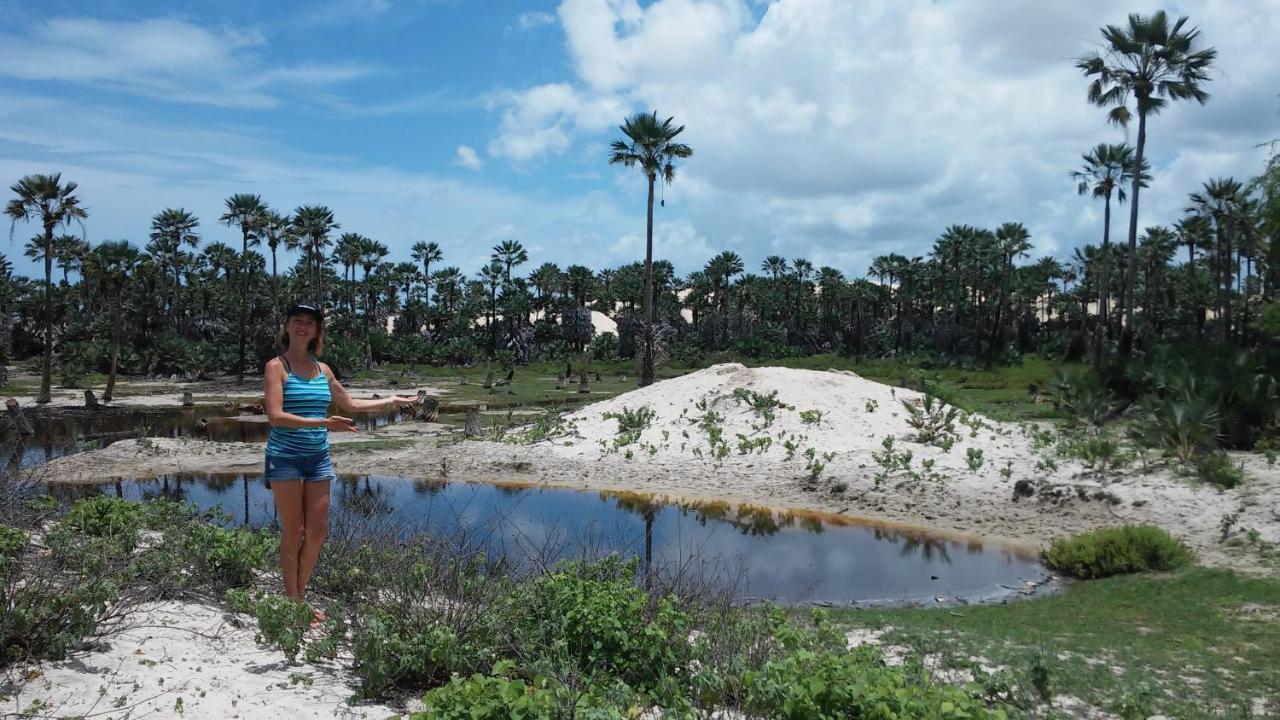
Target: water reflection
pixel 786 556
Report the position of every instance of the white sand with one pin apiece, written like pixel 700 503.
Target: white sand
pixel 188 656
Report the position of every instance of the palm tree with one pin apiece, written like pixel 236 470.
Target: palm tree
pixel 346 252
pixel 1013 241
pixel 275 230
pixel 492 277
pixel 113 263
pixel 427 253
pixel 171 229
pixel 1220 203
pixel 545 279
pixel 371 253
pixel 1151 63
pixel 249 213
pixel 651 146
pixel 1107 169
pixel 312 225
pixel 775 265
pixel 509 253
pixel 44 198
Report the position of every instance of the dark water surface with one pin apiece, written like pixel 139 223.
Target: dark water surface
pixel 784 557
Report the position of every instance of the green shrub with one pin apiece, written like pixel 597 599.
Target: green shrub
pixel 416 650
pixel 1216 468
pixel 1182 426
pixel 1083 397
pixel 45 618
pixel 12 543
pixel 831 684
pixel 932 419
pixel 495 697
pixel 1117 551
pixel 283 622
pixel 596 616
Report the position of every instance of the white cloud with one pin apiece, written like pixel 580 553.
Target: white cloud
pixel 842 130
pixel 467 158
pixel 534 20
pixel 164 59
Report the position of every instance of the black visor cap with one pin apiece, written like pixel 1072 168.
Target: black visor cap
pixel 306 310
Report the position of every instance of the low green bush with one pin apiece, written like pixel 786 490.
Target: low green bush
pixel 831 685
pixel 602 623
pixel 496 697
pixel 1117 551
pixel 1216 468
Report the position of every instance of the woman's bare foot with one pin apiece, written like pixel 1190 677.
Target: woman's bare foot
pixel 317 618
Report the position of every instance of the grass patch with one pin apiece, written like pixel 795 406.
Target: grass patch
pixel 370 445
pixel 1185 645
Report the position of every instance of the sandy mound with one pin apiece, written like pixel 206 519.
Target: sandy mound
pixel 782 413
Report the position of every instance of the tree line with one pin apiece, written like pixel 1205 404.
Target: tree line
pixel 177 304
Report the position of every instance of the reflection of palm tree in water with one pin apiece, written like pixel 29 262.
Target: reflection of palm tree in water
pixel 927 547
pixel 647 508
pixel 367 501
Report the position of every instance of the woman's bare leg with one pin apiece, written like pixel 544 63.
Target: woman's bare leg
pixel 315 522
pixel 289 504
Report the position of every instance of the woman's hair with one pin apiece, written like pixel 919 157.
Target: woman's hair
pixel 315 347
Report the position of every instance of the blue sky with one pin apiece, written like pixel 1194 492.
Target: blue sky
pixel 829 129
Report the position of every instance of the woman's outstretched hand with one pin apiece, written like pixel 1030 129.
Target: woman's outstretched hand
pixel 400 400
pixel 337 423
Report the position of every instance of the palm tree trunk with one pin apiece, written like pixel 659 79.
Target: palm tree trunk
pixel 47 368
pixel 1126 337
pixel 646 358
pixel 115 353
pixel 244 302
pixel 1100 334
pixel 275 282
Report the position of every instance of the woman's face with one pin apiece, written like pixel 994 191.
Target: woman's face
pixel 302 328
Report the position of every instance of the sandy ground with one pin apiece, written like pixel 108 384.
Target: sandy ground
pixel 134 393
pixel 675 456
pixel 190 661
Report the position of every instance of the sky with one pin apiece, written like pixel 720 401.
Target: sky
pixel 835 130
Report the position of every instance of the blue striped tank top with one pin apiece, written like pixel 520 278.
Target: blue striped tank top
pixel 308 398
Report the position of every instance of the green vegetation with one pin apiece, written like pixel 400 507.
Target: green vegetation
pixel 1117 551
pixel 1200 643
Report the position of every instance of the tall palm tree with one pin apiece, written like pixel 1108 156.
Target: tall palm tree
pixel 371 253
pixel 427 253
pixel 1013 241
pixel 1220 203
pixel 113 263
pixel 650 145
pixel 545 279
pixel 250 214
pixel 275 230
pixel 346 252
pixel 492 277
pixel 45 199
pixel 1150 63
pixel 312 225
pixel 509 253
pixel 172 228
pixel 1106 171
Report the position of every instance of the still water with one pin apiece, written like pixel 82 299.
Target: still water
pixel 787 558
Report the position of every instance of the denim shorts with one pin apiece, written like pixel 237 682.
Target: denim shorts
pixel 308 468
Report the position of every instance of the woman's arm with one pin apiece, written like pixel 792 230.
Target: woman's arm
pixel 346 403
pixel 273 403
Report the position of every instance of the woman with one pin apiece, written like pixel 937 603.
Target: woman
pixel 298 391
